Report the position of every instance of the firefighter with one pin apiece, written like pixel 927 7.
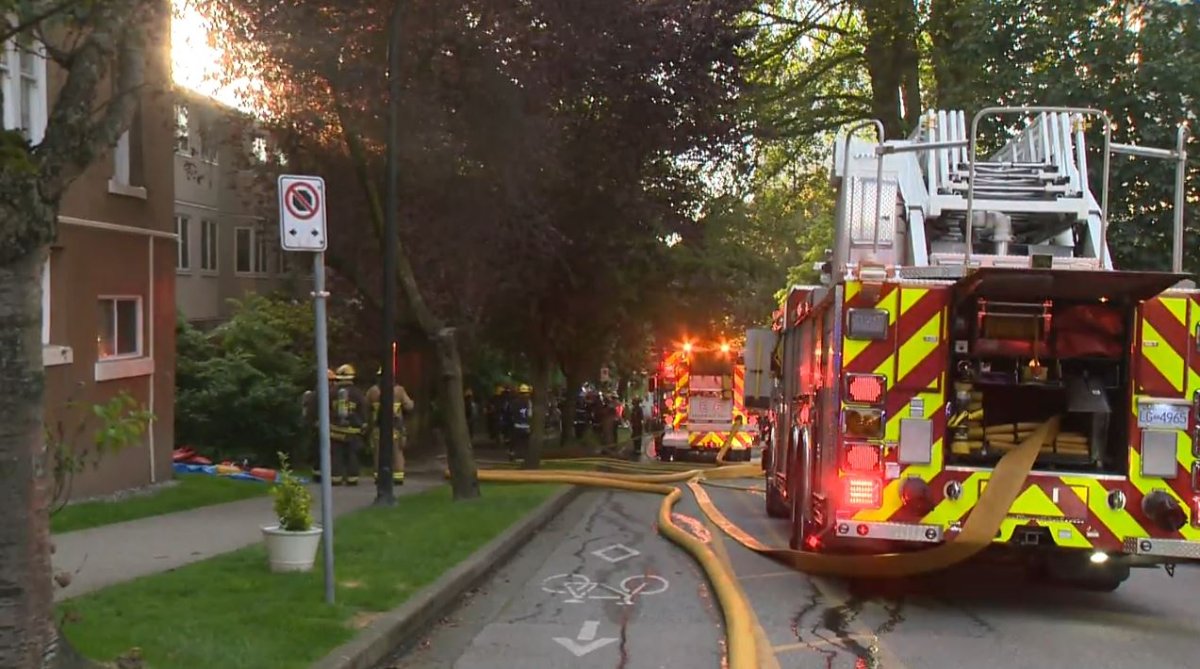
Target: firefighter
pixel 636 416
pixel 520 413
pixel 349 418
pixel 401 403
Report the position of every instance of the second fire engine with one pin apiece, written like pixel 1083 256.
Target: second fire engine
pixel 700 394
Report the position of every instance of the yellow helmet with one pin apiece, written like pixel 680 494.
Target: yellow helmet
pixel 346 373
pixel 524 389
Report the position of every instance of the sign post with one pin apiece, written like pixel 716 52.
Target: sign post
pixel 302 228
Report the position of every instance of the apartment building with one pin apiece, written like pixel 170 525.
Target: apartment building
pixel 228 239
pixel 109 284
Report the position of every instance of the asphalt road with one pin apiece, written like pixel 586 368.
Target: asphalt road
pixel 598 587
pixel 559 604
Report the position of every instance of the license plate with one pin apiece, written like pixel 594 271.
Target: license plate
pixel 706 408
pixel 1163 415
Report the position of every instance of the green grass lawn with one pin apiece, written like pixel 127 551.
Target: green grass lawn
pixel 231 612
pixel 192 491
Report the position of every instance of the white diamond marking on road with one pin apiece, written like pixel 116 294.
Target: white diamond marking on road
pixel 616 553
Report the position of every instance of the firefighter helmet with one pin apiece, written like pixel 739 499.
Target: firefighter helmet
pixel 346 373
pixel 524 389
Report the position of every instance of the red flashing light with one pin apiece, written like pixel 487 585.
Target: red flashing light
pixel 865 388
pixel 862 458
pixel 862 492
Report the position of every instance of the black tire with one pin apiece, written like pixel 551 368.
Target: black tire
pixel 666 454
pixel 776 506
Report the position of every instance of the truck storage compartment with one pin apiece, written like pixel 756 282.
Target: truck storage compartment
pixel 1032 345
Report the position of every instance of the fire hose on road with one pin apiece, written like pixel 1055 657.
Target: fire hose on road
pixel 977 533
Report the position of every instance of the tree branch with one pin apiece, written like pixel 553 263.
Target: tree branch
pixel 73 139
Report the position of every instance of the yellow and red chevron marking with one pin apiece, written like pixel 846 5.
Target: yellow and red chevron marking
pixel 716 439
pixel 1073 507
pixel 739 394
pixel 681 386
pixel 913 358
pixel 1162 366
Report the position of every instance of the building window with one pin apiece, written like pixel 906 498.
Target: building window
pixel 120 331
pixel 244 238
pixel 121 160
pixel 183 259
pixel 46 302
pixel 183 142
pixel 24 93
pixel 258 149
pixel 250 249
pixel 208 245
pixel 261 253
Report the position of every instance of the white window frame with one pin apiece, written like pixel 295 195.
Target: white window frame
pixel 183 130
pixel 119 183
pixel 259 150
pixel 13 91
pixel 258 252
pixel 183 245
pixel 140 349
pixel 51 355
pixel 210 256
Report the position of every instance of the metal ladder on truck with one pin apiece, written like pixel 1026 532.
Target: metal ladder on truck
pixel 944 210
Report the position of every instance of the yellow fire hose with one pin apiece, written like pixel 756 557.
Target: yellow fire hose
pixel 977 533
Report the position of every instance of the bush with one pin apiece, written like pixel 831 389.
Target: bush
pixel 293 502
pixel 238 387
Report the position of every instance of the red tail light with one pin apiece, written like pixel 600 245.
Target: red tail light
pixel 862 458
pixel 862 492
pixel 865 388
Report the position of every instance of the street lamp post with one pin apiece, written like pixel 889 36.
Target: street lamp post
pixel 384 486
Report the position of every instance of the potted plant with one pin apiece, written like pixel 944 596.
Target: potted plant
pixel 291 544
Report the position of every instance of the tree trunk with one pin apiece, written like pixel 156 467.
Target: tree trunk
pixel 949 23
pixel 570 406
pixel 28 635
pixel 542 367
pixel 893 63
pixel 464 479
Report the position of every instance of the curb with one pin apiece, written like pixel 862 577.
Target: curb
pixel 400 626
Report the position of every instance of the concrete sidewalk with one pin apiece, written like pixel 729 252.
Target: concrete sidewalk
pixel 111 554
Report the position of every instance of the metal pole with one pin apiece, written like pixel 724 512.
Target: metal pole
pixel 319 296
pixel 842 244
pixel 878 206
pixel 385 494
pixel 1180 197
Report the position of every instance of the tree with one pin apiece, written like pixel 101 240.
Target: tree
pixel 103 48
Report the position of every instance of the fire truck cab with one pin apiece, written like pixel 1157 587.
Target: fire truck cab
pixel 967 301
pixel 701 395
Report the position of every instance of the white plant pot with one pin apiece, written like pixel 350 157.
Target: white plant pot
pixel 291 551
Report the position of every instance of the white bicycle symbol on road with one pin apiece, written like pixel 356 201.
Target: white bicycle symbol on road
pixel 579 588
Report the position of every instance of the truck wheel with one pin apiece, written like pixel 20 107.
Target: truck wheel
pixel 666 454
pixel 776 506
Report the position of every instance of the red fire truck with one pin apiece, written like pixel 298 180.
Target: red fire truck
pixel 700 394
pixel 967 300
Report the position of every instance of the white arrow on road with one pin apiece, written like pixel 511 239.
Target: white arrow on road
pixel 586 642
